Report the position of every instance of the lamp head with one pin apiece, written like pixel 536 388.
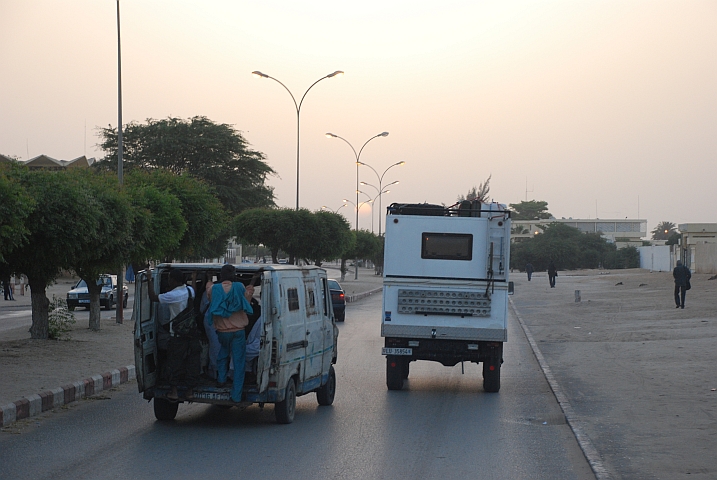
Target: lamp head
pixel 258 74
pixel 330 135
pixel 383 134
pixel 336 73
pixel 401 163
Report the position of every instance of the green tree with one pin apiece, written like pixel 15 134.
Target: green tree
pixel 664 230
pixel 108 248
pixel 366 246
pixel 207 222
pixel 214 152
pixel 65 217
pixel 478 193
pixel 532 210
pixel 330 237
pixel 15 207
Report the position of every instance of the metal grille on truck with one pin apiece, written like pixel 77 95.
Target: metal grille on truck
pixel 444 302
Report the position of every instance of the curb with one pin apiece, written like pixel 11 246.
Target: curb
pixel 360 296
pixel 586 445
pixel 57 397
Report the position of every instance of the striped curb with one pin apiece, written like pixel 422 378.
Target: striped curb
pixel 586 445
pixel 360 296
pixel 35 404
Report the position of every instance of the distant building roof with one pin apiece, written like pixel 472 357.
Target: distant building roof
pixel 6 159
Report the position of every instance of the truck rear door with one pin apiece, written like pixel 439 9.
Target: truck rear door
pixel 145 336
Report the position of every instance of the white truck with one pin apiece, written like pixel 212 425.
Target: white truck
pixel 445 287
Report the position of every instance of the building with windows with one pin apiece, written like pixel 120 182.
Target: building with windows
pixel 622 232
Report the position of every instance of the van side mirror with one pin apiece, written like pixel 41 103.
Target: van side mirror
pixel 511 288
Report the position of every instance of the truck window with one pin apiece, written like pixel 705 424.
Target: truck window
pixel 447 246
pixel 292 295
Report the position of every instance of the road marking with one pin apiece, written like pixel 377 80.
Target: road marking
pixel 586 445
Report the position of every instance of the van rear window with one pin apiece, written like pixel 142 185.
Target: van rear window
pixel 292 296
pixel 447 246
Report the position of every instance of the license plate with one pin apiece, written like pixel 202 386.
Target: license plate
pixel 396 351
pixel 211 396
pixel 83 301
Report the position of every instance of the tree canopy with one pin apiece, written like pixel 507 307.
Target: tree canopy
pixel 15 207
pixel 478 193
pixel 532 210
pixel 571 249
pixel 664 230
pixel 213 152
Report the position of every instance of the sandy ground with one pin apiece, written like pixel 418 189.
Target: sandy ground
pixel 31 366
pixel 639 373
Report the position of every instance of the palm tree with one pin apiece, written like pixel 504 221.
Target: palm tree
pixel 664 230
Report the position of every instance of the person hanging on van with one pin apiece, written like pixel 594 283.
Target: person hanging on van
pixel 183 358
pixel 229 306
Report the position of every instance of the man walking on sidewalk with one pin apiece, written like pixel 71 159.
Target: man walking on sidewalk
pixel 682 277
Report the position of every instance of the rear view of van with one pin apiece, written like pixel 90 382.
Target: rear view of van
pixel 297 339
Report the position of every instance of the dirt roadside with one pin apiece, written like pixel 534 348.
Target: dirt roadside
pixel 31 366
pixel 639 373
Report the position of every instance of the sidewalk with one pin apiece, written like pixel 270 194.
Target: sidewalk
pixel 638 375
pixel 33 372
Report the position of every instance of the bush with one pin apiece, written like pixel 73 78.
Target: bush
pixel 60 319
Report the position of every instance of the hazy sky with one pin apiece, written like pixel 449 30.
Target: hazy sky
pixel 604 108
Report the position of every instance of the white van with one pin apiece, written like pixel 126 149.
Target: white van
pixel 298 338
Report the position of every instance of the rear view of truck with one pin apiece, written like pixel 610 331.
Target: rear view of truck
pixel 445 287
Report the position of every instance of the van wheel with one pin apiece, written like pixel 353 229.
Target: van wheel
pixel 285 409
pixel 394 372
pixel 491 378
pixel 164 410
pixel 325 395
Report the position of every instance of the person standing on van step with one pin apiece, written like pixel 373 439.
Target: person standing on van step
pixel 183 351
pixel 682 277
pixel 229 306
pixel 552 273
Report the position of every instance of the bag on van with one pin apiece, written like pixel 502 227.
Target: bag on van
pixel 185 324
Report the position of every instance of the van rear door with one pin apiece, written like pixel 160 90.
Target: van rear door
pixel 268 312
pixel 145 335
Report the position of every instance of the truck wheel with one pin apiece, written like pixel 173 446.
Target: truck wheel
pixel 406 369
pixel 491 377
pixel 325 395
pixel 164 410
pixel 285 409
pixel 394 372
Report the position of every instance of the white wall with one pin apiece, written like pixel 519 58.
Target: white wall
pixel 655 258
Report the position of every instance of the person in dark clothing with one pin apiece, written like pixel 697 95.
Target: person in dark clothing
pixel 529 270
pixel 682 277
pixel 552 273
pixel 183 351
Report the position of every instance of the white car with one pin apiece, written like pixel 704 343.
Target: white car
pixel 80 297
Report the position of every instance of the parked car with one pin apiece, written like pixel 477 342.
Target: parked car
pixel 80 297
pixel 338 299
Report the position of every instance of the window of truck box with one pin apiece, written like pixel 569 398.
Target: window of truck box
pixel 447 246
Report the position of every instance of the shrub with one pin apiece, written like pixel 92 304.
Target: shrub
pixel 60 319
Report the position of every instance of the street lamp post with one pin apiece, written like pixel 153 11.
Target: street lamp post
pixel 358 162
pixel 380 188
pixel 371 201
pixel 324 207
pixel 119 317
pixel 379 195
pixel 257 73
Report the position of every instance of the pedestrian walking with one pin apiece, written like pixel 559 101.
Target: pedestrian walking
pixel 529 270
pixel 682 277
pixel 552 273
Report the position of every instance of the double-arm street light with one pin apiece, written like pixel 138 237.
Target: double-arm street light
pixel 358 162
pixel 324 207
pixel 257 73
pixel 379 195
pixel 380 186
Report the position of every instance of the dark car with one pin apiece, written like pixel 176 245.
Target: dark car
pixel 338 299
pixel 80 297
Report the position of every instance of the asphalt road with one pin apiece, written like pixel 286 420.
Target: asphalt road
pixel 442 425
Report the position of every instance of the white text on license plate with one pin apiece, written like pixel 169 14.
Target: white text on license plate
pixel 83 301
pixel 396 351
